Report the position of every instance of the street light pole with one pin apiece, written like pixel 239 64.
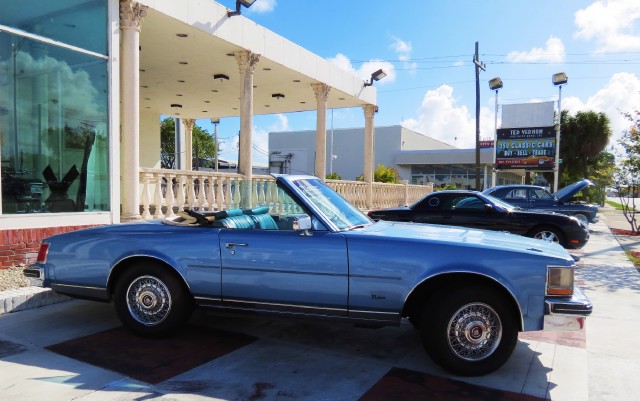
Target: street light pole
pixel 495 84
pixel 215 123
pixel 558 80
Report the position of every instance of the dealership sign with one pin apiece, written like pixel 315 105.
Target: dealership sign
pixel 526 148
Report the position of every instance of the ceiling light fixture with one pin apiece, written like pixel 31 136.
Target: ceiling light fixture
pixel 221 77
pixel 278 96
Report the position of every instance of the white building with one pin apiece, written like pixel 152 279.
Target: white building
pixel 83 84
pixel 417 157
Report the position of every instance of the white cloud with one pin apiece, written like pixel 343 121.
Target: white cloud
pixel 263 6
pixel 612 24
pixel 441 117
pixel 620 95
pixel 366 68
pixel 403 50
pixel 553 52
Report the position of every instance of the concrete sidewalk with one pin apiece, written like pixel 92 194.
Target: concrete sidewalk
pixel 312 361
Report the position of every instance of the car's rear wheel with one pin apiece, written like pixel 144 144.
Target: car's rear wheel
pixel 549 234
pixel 469 332
pixel 151 301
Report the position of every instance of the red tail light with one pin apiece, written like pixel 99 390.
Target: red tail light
pixel 42 253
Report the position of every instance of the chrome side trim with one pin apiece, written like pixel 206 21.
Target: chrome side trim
pixel 83 292
pixel 246 269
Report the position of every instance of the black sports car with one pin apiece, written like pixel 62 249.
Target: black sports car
pixel 476 210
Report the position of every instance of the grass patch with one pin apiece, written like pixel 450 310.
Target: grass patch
pixel 614 204
pixel 634 257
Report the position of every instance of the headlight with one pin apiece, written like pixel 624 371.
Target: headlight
pixel 560 280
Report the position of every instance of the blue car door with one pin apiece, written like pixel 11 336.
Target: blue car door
pixel 283 270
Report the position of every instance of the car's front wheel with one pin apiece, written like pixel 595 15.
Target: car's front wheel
pixel 151 301
pixel 469 332
pixel 548 234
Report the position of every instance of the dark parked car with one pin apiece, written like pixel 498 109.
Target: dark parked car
pixel 535 197
pixel 476 210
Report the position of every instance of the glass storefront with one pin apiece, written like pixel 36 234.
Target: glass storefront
pixel 463 176
pixel 54 148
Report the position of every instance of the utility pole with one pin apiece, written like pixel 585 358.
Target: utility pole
pixel 479 66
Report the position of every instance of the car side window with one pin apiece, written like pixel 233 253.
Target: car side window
pixel 468 203
pixel 540 193
pixel 517 193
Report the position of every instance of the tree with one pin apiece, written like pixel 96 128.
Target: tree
pixel 168 143
pixel 384 174
pixel 628 172
pixel 601 173
pixel 202 141
pixel 583 137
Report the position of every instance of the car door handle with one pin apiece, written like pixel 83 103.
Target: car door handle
pixel 230 245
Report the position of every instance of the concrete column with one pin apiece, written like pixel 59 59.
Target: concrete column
pixel 322 93
pixel 131 15
pixel 188 141
pixel 369 111
pixel 246 64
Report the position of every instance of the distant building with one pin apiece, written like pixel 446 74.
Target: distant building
pixel 417 158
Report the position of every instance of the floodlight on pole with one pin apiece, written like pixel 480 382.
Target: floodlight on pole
pixel 245 3
pixel 376 76
pixel 558 80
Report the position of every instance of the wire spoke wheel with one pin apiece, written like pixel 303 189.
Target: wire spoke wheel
pixel 149 300
pixel 474 331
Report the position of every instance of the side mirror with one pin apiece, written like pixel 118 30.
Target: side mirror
pixel 488 208
pixel 302 223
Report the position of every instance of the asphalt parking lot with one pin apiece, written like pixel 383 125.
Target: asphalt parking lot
pixel 77 350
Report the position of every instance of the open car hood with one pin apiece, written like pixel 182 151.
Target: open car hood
pixel 565 194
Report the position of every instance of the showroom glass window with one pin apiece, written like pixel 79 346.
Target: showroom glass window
pixel 54 106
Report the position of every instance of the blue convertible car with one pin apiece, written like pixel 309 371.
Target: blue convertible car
pixel 310 253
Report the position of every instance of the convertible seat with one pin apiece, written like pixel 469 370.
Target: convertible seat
pixel 241 221
pixel 257 217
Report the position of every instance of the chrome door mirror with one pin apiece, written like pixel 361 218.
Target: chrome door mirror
pixel 302 223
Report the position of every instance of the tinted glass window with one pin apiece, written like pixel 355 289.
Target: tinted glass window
pixel 53 114
pixel 81 23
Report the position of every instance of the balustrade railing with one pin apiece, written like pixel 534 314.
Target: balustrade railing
pixel 166 192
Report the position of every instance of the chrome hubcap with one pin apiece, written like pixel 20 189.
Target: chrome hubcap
pixel 474 331
pixel 149 300
pixel 547 236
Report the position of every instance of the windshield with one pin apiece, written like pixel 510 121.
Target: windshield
pixel 334 207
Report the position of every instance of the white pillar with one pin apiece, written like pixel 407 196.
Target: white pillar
pixel 188 141
pixel 322 93
pixel 131 15
pixel 246 64
pixel 369 111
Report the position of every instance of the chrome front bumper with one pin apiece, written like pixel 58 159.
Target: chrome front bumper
pixel 566 314
pixel 35 275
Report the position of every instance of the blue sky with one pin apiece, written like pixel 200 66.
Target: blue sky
pixel 427 48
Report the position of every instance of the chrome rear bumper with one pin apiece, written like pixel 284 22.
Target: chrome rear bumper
pixel 566 314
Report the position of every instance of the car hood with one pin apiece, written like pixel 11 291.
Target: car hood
pixel 467 237
pixel 565 194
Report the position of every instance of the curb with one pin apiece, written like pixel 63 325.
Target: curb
pixel 28 298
